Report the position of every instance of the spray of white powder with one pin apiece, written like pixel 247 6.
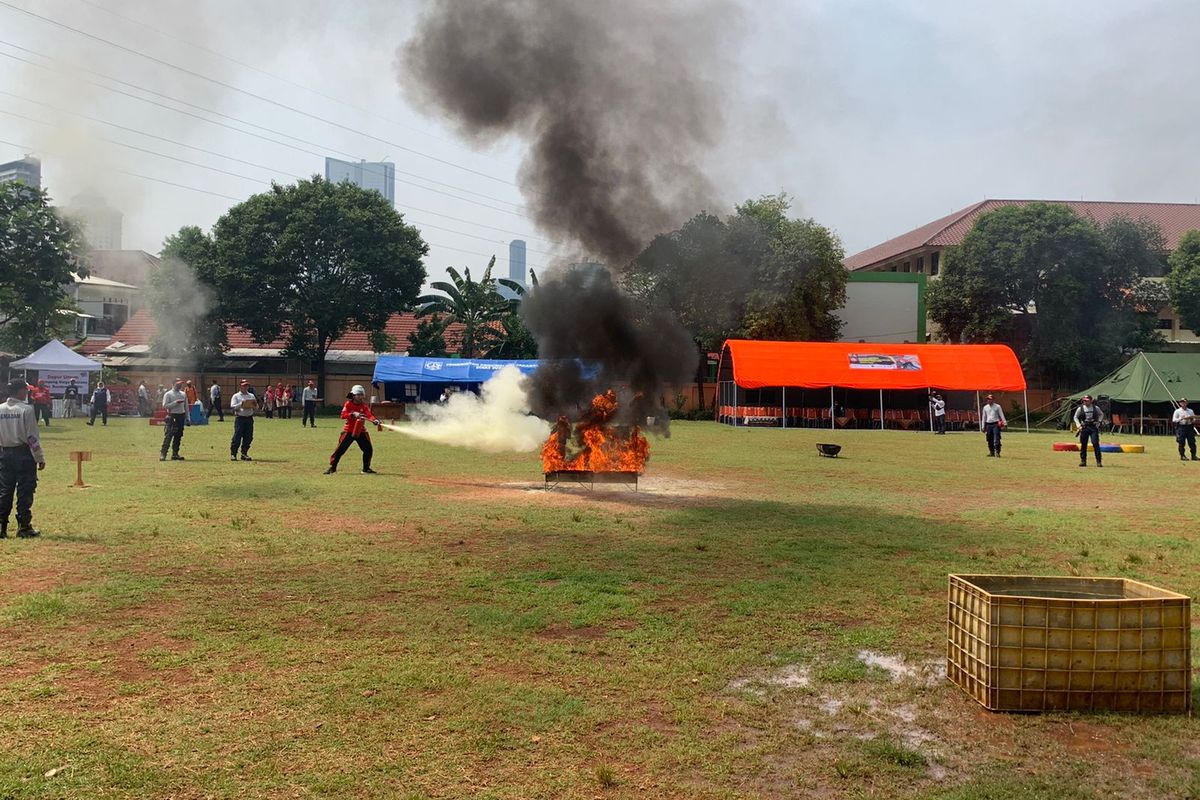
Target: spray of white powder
pixel 497 420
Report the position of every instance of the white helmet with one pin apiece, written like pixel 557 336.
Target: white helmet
pixel 357 389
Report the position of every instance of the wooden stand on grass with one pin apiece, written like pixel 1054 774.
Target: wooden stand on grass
pixel 80 456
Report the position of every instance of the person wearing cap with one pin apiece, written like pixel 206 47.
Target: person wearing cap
pixel 992 422
pixel 176 404
pixel 1185 429
pixel 357 413
pixel 309 396
pixel 1089 418
pixel 214 401
pixel 21 458
pixel 242 405
pixel 939 413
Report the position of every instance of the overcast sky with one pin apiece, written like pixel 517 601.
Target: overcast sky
pixel 876 116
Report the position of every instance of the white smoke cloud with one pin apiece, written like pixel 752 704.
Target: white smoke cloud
pixel 496 421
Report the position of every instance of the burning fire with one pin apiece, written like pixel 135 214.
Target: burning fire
pixel 602 446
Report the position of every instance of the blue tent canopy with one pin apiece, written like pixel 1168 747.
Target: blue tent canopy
pixel 419 369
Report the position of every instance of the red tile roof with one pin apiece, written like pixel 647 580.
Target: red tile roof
pixel 141 327
pixel 1173 218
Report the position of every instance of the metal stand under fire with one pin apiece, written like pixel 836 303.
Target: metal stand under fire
pixel 589 478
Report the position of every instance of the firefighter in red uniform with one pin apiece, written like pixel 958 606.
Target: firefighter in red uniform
pixel 357 413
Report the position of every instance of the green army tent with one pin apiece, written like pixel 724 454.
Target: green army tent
pixel 1155 379
pixel 1151 378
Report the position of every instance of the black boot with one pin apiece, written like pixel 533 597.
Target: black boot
pixel 331 470
pixel 4 531
pixel 26 531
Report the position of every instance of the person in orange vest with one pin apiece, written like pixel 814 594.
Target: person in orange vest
pixel 357 414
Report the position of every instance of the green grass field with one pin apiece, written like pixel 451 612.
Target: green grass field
pixel 758 622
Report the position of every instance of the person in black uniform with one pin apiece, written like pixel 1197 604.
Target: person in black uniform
pixel 1089 418
pixel 70 399
pixel 21 458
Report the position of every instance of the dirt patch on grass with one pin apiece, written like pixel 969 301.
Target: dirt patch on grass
pixel 653 491
pixel 563 631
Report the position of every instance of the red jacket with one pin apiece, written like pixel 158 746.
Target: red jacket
pixel 39 395
pixel 356 425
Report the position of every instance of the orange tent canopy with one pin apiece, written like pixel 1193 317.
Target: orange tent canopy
pixel 814 365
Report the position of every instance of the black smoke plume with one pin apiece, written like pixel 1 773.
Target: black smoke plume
pixel 595 338
pixel 619 100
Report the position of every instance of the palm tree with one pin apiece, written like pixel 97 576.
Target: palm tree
pixel 476 305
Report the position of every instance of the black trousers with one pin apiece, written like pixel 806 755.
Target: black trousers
pixel 1089 434
pixel 102 410
pixel 243 435
pixel 1186 434
pixel 215 405
pixel 42 411
pixel 173 433
pixel 18 476
pixel 939 423
pixel 992 431
pixel 310 413
pixel 364 443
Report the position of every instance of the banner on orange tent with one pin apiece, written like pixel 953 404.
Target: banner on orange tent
pixel 880 361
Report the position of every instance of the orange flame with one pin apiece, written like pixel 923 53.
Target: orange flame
pixel 602 446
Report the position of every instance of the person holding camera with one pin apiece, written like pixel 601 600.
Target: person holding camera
pixel 1089 418
pixel 938 405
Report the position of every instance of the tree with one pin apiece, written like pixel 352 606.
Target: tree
pixel 1063 290
pixel 312 260
pixel 477 305
pixel 40 254
pixel 184 302
pixel 429 339
pixel 756 274
pixel 800 282
pixel 1183 280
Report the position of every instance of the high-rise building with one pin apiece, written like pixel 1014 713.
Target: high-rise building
pixel 377 175
pixel 516 262
pixel 101 222
pixel 27 169
pixel 516 269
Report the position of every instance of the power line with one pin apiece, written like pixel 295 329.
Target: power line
pixel 280 78
pixel 261 98
pixel 218 155
pixel 236 130
pixel 244 177
pixel 253 125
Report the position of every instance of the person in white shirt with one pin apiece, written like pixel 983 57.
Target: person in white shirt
pixel 992 422
pixel 176 403
pixel 143 395
pixel 21 458
pixel 1089 418
pixel 242 405
pixel 1185 429
pixel 214 402
pixel 309 396
pixel 939 413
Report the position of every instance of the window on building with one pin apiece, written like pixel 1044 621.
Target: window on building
pixel 934 263
pixel 410 390
pixel 1164 324
pixel 891 267
pixel 920 263
pixel 907 266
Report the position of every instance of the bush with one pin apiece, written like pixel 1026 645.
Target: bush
pixel 692 414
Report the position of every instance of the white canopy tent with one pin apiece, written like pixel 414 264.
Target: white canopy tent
pixel 56 357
